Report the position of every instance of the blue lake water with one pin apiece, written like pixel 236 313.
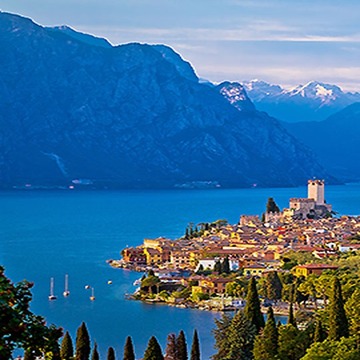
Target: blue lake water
pixel 50 234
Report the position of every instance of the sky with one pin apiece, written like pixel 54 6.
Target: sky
pixel 286 42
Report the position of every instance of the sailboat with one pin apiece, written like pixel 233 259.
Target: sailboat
pixel 92 297
pixel 66 291
pixel 52 296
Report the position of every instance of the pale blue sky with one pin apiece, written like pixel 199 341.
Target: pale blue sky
pixel 281 41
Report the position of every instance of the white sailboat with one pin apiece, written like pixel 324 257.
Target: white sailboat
pixel 92 297
pixel 66 291
pixel 52 296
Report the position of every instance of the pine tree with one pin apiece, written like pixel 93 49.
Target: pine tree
pixel 252 308
pixel 129 353
pixel 338 323
pixel 266 344
pixel 241 335
pixel 319 334
pixel 95 353
pixel 170 352
pixel 67 349
pixel 181 347
pixel 82 343
pixel 220 335
pixel 153 350
pixel 195 348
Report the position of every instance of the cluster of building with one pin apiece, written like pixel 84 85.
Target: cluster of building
pixel 253 245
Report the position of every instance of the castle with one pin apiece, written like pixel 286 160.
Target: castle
pixel 312 207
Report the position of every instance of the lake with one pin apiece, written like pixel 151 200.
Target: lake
pixel 46 234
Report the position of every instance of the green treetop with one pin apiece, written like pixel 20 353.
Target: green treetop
pixel 252 308
pixel 111 354
pixel 181 347
pixel 338 323
pixel 82 343
pixel 195 348
pixel 271 206
pixel 19 327
pixel 153 350
pixel 129 353
pixel 266 343
pixel 67 349
pixel 95 353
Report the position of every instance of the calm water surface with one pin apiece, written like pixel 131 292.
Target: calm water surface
pixel 50 234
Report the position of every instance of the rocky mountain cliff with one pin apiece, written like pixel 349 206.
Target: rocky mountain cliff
pixel 314 101
pixel 128 116
pixel 335 140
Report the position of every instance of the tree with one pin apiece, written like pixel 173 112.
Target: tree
pixel 111 354
pixel 338 323
pixel 220 335
pixel 129 353
pixel 252 308
pixel 67 349
pixel 82 343
pixel 225 266
pixel 240 338
pixel 153 350
pixel 353 312
pixel 150 282
pixel 19 327
pixel 195 347
pixel 181 347
pixel 291 318
pixel 170 352
pixel 273 286
pixel 266 343
pixel 95 353
pixel 319 334
pixel 217 266
pixel 292 342
pixel 271 206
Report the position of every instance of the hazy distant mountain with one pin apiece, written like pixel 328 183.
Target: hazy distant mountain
pixel 335 140
pixel 128 116
pixel 314 101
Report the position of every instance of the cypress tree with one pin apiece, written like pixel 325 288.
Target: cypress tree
pixel 338 323
pixel 195 347
pixel 225 266
pixel 252 308
pixel 95 353
pixel 271 206
pixel 266 344
pixel 181 347
pixel 291 319
pixel 82 343
pixel 153 350
pixel 110 354
pixel 319 334
pixel 217 266
pixel 67 349
pixel 273 286
pixel 129 349
pixel 221 336
pixel 170 352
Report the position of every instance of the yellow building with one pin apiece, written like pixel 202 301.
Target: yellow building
pixel 310 269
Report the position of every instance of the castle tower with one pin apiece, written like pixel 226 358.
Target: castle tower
pixel 316 191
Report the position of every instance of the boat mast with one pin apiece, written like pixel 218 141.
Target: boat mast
pixel 52 296
pixel 66 291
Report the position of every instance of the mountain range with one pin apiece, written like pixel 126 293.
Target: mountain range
pixel 76 110
pixel 314 101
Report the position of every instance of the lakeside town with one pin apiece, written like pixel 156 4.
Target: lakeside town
pixel 209 266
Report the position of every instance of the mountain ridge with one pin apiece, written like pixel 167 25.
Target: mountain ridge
pixel 127 116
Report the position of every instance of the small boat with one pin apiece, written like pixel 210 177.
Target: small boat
pixel 137 282
pixel 87 287
pixel 92 297
pixel 52 296
pixel 109 282
pixel 66 291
